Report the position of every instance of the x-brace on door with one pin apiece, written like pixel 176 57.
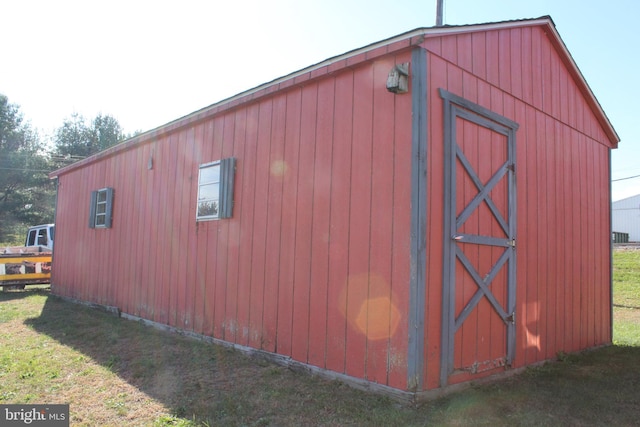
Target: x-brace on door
pixel 478 332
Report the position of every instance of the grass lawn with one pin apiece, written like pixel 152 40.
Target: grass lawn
pixel 115 372
pixel 626 297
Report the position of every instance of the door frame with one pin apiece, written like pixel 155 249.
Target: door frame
pixel 454 107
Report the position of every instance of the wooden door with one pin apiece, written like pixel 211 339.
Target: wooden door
pixel 478 332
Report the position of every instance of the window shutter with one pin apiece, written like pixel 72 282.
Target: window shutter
pixel 92 209
pixel 109 207
pixel 227 174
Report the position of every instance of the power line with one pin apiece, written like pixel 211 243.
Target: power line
pixel 26 170
pixel 622 179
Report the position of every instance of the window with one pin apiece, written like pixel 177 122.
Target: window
pixel 101 208
pixel 215 190
pixel 31 238
pixel 42 237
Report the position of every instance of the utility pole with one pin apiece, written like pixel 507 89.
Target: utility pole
pixel 439 13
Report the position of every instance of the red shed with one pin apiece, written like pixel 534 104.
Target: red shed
pixel 423 211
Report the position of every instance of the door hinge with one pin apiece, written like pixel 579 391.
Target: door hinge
pixel 511 318
pixel 512 243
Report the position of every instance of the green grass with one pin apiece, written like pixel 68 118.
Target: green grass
pixel 626 297
pixel 626 285
pixel 115 372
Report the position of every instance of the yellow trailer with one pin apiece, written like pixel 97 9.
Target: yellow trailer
pixel 25 265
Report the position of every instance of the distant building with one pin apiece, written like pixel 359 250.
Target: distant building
pixel 625 217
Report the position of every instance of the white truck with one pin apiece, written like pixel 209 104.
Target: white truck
pixel 29 264
pixel 41 235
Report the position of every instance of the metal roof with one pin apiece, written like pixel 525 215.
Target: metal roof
pixel 413 37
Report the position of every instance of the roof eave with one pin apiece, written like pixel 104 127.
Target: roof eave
pixel 416 34
pixel 604 121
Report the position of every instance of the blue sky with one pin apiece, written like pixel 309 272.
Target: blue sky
pixel 149 62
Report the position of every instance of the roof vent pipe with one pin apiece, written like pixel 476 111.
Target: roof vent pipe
pixel 439 13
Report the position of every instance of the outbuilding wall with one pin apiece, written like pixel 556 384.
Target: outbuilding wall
pixel 626 217
pixel 322 260
pixel 563 289
pixel 314 263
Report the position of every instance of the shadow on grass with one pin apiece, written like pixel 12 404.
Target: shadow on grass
pixel 218 386
pixel 177 372
pixel 10 295
pixel 209 383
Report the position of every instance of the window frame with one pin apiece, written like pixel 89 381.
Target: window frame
pixel 202 184
pixel 224 198
pixel 101 207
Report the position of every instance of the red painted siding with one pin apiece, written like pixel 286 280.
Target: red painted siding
pixel 562 192
pixel 339 217
pixel 320 232
pixel 313 264
pixel 274 222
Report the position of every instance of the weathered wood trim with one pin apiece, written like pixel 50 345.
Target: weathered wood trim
pixel 286 361
pixel 405 397
pixel 480 113
pixel 448 267
pixel 455 106
pixel 417 278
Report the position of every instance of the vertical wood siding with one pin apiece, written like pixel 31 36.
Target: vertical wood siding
pixel 563 253
pixel 314 263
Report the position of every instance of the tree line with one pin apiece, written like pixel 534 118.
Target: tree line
pixel 27 195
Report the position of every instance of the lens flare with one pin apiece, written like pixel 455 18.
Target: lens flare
pixel 367 303
pixel 279 168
